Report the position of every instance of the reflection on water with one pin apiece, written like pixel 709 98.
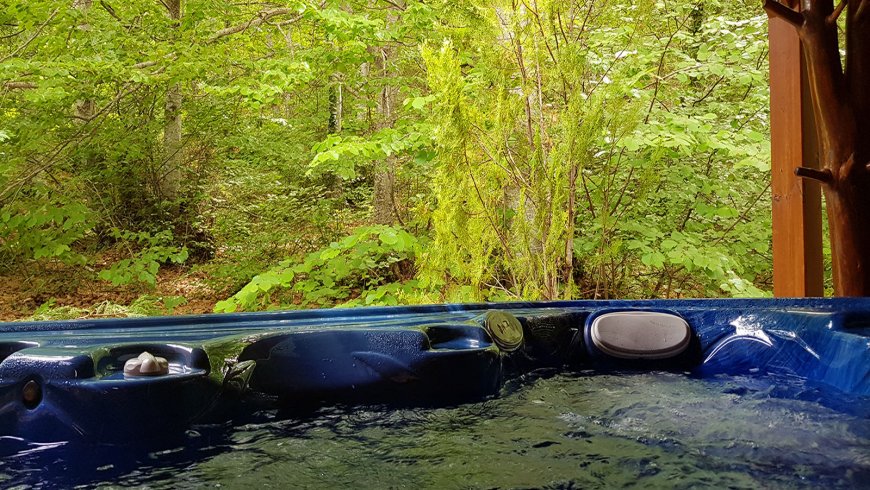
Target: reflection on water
pixel 558 431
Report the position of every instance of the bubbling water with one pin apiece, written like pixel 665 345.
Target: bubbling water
pixel 546 430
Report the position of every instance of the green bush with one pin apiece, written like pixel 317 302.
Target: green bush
pixel 42 229
pixel 366 267
pixel 153 251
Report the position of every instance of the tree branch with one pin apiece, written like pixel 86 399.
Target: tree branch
pixel 832 19
pixel 824 176
pixel 85 131
pixel 256 21
pixel 710 91
pixel 396 5
pixel 108 8
pixel 34 36
pixel 10 36
pixel 744 214
pixel 492 223
pixel 658 77
pixel 22 85
pixel 145 64
pixel 776 9
pixel 18 85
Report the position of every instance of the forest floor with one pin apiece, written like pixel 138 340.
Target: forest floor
pixel 89 297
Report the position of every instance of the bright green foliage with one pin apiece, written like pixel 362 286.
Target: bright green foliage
pixel 364 265
pixel 142 306
pixel 142 267
pixel 627 168
pixel 41 228
pixel 341 156
pixel 515 150
pixel 708 231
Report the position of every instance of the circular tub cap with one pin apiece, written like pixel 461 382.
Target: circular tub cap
pixel 505 330
pixel 640 334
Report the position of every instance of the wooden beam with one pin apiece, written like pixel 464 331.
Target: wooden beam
pixel 797 216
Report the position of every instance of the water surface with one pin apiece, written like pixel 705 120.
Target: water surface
pixel 547 430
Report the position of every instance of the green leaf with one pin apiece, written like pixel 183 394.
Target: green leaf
pixel 653 259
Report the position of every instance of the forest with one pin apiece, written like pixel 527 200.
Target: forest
pixel 190 156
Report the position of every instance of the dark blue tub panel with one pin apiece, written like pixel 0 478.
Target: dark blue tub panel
pixel 65 379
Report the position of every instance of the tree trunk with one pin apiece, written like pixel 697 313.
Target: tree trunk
pixel 170 178
pixel 382 205
pixel 848 207
pixel 568 267
pixel 384 180
pixel 84 108
pixel 841 107
pixel 336 105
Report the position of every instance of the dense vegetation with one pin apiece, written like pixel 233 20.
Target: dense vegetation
pixel 297 153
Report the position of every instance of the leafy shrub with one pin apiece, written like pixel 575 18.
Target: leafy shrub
pixel 43 230
pixel 143 266
pixel 364 268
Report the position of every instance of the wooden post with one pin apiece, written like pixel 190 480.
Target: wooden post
pixel 797 215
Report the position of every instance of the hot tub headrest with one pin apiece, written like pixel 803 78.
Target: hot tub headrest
pixel 639 334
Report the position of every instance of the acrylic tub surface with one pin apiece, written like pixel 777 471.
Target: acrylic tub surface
pixel 66 379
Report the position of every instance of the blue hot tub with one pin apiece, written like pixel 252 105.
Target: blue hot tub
pixel 66 380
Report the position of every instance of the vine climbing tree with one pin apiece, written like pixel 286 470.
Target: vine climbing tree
pixel 841 107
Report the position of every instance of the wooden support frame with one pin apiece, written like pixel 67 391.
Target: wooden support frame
pixel 797 216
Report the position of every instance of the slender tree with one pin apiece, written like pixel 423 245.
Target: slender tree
pixel 172 130
pixel 384 193
pixel 84 109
